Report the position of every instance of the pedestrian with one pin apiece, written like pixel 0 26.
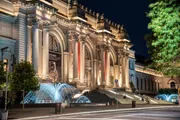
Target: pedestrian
pixel 147 100
pixel 142 98
pixel 124 96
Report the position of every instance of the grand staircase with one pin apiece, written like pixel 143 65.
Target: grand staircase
pixel 123 97
pixel 96 96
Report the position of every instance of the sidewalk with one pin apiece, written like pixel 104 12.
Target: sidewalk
pixel 34 112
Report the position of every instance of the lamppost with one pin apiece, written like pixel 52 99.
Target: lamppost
pixel 2 58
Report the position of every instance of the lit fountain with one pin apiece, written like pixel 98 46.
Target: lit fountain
pixel 169 98
pixel 55 93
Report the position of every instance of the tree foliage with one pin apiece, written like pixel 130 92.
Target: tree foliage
pixel 167 91
pixel 132 87
pixel 164 41
pixel 2 75
pixel 23 77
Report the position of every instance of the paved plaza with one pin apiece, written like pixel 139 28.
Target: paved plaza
pixel 146 113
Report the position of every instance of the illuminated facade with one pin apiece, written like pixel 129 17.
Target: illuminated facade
pixel 69 43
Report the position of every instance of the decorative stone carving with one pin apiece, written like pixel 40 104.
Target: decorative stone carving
pixel 82 38
pixel 53 74
pixel 29 21
pixel 102 17
pixel 35 21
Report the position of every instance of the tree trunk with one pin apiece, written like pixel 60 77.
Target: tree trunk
pixel 23 99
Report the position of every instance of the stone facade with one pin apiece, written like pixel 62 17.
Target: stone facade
pixel 67 42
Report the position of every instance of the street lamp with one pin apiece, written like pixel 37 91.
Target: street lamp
pixel 2 53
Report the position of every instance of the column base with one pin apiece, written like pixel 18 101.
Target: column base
pixel 76 80
pixel 46 80
pixel 81 86
pixel 108 86
pixel 102 86
pixel 128 89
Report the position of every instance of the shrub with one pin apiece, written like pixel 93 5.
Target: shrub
pixel 167 91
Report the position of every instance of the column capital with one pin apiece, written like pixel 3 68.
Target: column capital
pixel 73 35
pixel 95 60
pixel 127 55
pixel 82 38
pixel 45 25
pixel 66 53
pixel 34 21
pixel 29 21
pixel 46 29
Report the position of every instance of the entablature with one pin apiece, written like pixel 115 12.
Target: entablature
pixel 142 69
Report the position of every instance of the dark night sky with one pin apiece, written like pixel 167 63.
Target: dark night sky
pixel 130 13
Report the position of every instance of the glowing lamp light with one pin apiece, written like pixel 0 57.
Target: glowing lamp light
pixel 77 95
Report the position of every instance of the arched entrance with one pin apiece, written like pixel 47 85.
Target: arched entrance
pixel 54 59
pixel 112 78
pixel 88 68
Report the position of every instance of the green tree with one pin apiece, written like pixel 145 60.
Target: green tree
pixel 132 87
pixel 2 75
pixel 23 78
pixel 164 41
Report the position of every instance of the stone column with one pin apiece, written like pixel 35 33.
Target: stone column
pixel 95 73
pixel 40 53
pixel 35 48
pixel 45 52
pixel 108 69
pixel 156 86
pixel 123 71
pixel 66 66
pixel 70 64
pixel 102 66
pixel 119 69
pixel 116 74
pixel 29 43
pixel 127 70
pixel 75 60
pixel 82 61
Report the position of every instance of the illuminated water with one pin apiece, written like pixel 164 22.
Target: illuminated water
pixel 166 97
pixel 53 93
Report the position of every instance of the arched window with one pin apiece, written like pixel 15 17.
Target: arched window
pixel 53 45
pixel 173 85
pixel 54 59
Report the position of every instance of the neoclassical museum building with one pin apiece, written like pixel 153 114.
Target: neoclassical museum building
pixel 67 42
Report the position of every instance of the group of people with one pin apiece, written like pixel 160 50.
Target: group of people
pixel 145 99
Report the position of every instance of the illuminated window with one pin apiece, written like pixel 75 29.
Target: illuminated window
pixel 5 61
pixel 173 85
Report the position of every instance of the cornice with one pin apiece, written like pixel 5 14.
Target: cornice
pixel 142 69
